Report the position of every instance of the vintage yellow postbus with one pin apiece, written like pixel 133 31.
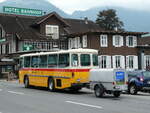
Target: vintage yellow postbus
pixel 58 70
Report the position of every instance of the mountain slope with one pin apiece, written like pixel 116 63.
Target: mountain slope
pixel 33 4
pixel 133 20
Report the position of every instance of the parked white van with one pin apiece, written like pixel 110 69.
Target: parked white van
pixel 110 81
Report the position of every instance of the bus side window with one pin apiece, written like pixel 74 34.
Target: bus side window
pixel 63 60
pixel 43 61
pixel 27 61
pixel 74 60
pixel 85 60
pixel 52 60
pixel 35 61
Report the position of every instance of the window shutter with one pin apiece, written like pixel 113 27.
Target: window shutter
pixel 78 42
pixel 114 61
pixel 134 41
pixel 122 62
pixel 99 61
pixel 127 62
pixel 145 62
pixel 73 42
pixel 108 61
pixel 121 41
pixel 0 49
pixel 69 43
pixel 106 41
pixel 101 40
pixel 114 40
pixel 127 41
pixel 135 62
pixel 84 40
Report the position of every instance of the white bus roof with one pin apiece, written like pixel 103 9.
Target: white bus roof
pixel 63 51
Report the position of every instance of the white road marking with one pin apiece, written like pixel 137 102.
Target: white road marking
pixel 82 104
pixel 19 93
pixel 1 90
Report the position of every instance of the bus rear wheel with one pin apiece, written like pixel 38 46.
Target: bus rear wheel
pixel 26 82
pixel 51 84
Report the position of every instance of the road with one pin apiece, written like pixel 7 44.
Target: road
pixel 14 98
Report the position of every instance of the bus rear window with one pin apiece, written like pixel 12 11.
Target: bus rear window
pixel 85 60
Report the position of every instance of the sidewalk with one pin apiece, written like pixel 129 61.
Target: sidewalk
pixel 5 80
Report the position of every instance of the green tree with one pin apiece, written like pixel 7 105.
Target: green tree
pixel 108 20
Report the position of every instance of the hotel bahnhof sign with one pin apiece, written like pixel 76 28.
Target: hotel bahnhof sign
pixel 22 11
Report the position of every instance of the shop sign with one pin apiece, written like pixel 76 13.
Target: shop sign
pixel 22 11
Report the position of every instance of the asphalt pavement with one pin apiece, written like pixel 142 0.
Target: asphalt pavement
pixel 14 98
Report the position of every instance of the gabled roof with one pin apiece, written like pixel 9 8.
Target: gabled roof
pixel 81 26
pixel 45 17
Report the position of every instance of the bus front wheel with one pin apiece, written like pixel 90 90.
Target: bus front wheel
pixel 51 84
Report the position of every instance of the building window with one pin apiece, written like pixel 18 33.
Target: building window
pixel 131 62
pixel 118 61
pixel 147 61
pixel 84 41
pixel 103 40
pixel 131 41
pixel 52 31
pixel 104 61
pixel 117 40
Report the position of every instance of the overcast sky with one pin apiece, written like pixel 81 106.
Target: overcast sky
pixel 70 6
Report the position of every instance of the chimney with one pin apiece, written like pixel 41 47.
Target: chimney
pixel 86 20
